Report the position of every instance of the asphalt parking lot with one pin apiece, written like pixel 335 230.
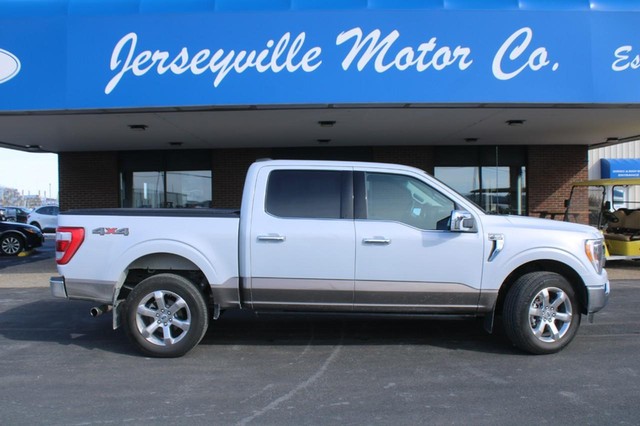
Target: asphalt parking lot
pixel 60 366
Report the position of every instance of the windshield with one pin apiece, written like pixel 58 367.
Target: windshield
pixel 585 205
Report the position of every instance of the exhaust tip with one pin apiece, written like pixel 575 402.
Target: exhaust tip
pixel 96 311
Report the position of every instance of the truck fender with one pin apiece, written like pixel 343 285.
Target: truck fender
pixel 224 274
pixel 502 267
pixel 505 271
pixel 190 254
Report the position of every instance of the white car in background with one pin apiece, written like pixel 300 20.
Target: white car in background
pixel 45 218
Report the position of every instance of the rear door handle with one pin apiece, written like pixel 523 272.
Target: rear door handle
pixel 273 238
pixel 377 240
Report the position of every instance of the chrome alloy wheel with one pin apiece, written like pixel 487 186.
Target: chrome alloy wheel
pixel 163 318
pixel 550 314
pixel 11 245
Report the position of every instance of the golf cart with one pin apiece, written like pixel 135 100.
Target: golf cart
pixel 613 206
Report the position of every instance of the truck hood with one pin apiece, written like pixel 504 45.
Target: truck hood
pixel 537 224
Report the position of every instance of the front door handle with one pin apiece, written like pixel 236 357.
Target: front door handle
pixel 377 240
pixel 273 238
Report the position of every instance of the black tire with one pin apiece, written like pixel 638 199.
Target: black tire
pixel 11 245
pixel 541 313
pixel 166 316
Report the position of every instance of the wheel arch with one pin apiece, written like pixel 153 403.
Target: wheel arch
pixel 555 266
pixel 13 232
pixel 217 263
pixel 161 263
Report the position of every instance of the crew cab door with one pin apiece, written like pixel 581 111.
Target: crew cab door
pixel 407 259
pixel 302 240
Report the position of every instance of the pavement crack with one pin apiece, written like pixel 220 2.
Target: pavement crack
pixel 301 386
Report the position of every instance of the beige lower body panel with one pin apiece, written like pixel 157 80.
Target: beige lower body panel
pixel 367 296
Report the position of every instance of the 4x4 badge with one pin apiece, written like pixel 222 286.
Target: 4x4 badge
pixel 111 231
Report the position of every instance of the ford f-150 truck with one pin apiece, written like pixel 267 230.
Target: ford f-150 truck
pixel 339 237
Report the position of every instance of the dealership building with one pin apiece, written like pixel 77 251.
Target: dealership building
pixel 165 103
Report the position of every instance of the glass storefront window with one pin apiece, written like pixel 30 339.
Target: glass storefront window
pixel 498 189
pixel 465 180
pixel 189 189
pixel 179 189
pixel 148 189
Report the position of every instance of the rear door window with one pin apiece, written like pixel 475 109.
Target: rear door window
pixel 306 194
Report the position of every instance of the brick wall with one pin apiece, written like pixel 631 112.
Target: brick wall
pixel 551 171
pixel 88 180
pixel 229 169
pixel 421 157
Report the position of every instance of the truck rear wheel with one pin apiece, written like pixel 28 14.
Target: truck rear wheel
pixel 166 316
pixel 541 313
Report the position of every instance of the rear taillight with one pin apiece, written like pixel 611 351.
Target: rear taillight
pixel 68 240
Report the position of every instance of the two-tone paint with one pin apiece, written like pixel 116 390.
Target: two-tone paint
pixel 257 260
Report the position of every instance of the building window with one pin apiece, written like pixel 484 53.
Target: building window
pixel 148 189
pixel 161 180
pixel 180 189
pixel 492 177
pixel 496 189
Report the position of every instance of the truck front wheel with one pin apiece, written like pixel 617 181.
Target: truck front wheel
pixel 166 316
pixel 541 313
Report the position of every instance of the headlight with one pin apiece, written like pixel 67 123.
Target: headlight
pixel 594 250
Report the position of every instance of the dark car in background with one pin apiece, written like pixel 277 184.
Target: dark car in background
pixel 16 214
pixel 17 237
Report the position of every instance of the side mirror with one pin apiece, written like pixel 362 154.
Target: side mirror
pixel 462 221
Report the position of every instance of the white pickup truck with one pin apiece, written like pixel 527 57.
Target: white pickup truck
pixel 340 237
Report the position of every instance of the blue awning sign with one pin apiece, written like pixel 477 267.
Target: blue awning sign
pixel 514 52
pixel 625 59
pixel 369 50
pixel 284 55
pixel 289 54
pixel 162 57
